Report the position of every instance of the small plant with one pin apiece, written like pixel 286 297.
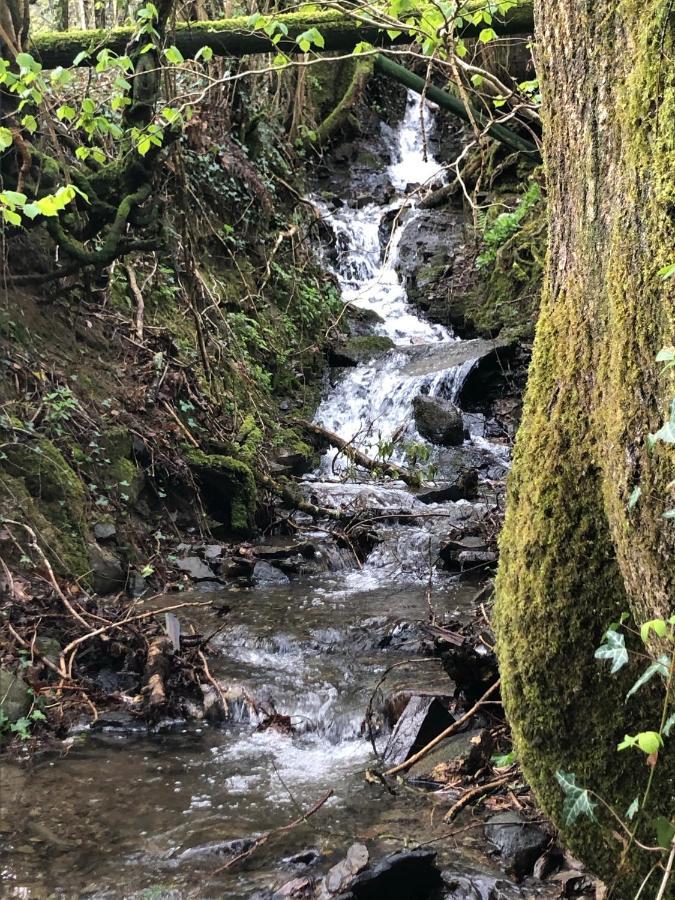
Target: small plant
pixel 497 232
pixel 59 406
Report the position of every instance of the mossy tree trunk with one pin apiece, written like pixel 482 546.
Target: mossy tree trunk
pixel 573 556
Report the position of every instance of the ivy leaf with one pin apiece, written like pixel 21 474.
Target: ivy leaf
pixel 632 810
pixel 667 271
pixel 613 649
pixel 660 667
pixel 634 496
pixel 668 727
pixel 578 801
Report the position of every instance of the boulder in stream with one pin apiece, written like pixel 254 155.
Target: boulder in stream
pixel 266 574
pixel 464 487
pixel 196 568
pixel 438 420
pixel 356 350
pixel 405 875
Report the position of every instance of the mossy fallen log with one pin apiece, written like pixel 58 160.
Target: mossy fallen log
pixel 236 37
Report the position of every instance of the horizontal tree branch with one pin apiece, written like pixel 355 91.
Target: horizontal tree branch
pixel 235 37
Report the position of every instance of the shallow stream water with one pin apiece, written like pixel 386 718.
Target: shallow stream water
pixel 141 814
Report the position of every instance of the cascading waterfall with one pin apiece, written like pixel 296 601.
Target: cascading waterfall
pixel 372 404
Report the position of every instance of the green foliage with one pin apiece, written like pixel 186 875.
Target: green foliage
pixel 497 232
pixel 578 801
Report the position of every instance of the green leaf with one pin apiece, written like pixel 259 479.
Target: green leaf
pixel 665 832
pixel 174 56
pixel 660 667
pixel 5 139
pixel 667 271
pixel 31 210
pixel 658 626
pixel 205 53
pixel 144 145
pixel 30 124
pixel 486 35
pixel 631 812
pixel 15 198
pixel 649 742
pixel 668 727
pixel 65 113
pixel 613 649
pixel 666 354
pixel 38 716
pixel 506 759
pixel 27 63
pixel 11 217
pixel 578 802
pixel 634 496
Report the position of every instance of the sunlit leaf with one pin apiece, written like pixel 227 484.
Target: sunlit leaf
pixel 660 667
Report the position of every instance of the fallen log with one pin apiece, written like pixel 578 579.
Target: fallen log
pixel 285 492
pixel 237 37
pixel 391 470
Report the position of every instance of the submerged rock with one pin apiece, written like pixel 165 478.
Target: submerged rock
pixel 439 421
pixel 519 842
pixel 264 573
pixel 464 487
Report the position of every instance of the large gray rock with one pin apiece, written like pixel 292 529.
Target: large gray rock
pixel 196 568
pixel 108 573
pixel 423 718
pixel 355 350
pixel 404 875
pixel 439 421
pixel 15 700
pixel 519 842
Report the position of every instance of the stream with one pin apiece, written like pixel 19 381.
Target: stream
pixel 132 813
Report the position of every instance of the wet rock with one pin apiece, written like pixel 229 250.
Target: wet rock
pixel 213 551
pixel 196 568
pixel 476 558
pixel 406 875
pixel 237 567
pixel 477 886
pixel 294 462
pixel 439 421
pixel 464 487
pixel 216 848
pixel 519 842
pixel 264 573
pixel 208 586
pixel 471 753
pixel 15 701
pixel 103 531
pixel 356 350
pixel 471 549
pixel 362 322
pixel 136 584
pixel 108 574
pixel 423 718
pixel 472 666
pixel 489 378
pixel 304 859
pixel 284 550
pixel 425 359
pixel 342 874
pixel 296 887
pixel 427 254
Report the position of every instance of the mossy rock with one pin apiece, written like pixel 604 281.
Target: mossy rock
pixel 228 489
pixel 15 701
pixel 356 350
pixel 38 487
pixel 118 471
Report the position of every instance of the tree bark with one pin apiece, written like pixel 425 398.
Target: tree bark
pixel 573 556
pixel 235 37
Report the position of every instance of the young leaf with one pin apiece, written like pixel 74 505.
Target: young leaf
pixel 658 626
pixel 668 727
pixel 174 56
pixel 5 139
pixel 649 742
pixel 667 271
pixel 660 667
pixel 613 649
pixel 632 810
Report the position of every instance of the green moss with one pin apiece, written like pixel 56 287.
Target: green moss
pixel 228 489
pixel 39 488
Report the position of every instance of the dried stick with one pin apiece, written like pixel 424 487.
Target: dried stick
pixel 268 834
pixel 666 875
pixel 472 794
pixel 451 729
